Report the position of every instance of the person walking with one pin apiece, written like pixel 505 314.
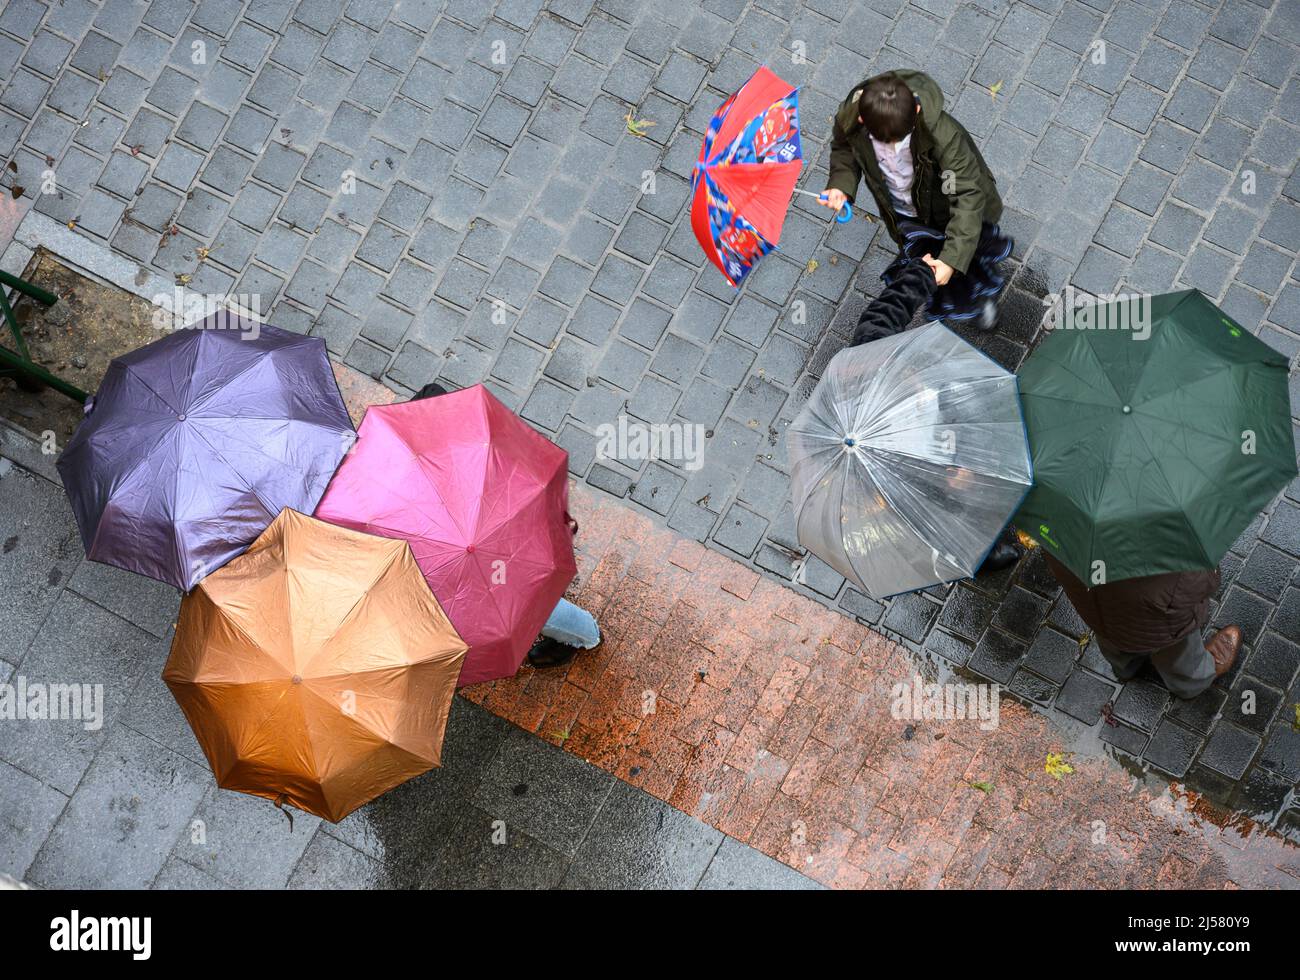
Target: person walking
pixel 569 628
pixel 934 192
pixel 1157 618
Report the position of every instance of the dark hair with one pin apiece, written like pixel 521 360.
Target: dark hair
pixel 887 108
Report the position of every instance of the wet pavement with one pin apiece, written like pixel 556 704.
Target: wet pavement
pixel 509 184
pixel 728 733
pixel 506 226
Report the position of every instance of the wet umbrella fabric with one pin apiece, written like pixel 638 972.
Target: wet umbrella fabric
pixel 195 442
pixel 316 669
pixel 907 461
pixel 483 500
pixel 746 173
pixel 1160 428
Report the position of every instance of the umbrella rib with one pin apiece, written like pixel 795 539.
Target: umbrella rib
pixel 902 516
pixel 126 476
pixel 269 508
pixel 131 370
pixel 251 366
pixel 362 595
pixel 420 460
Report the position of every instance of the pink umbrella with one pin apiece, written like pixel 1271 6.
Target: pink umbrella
pixel 482 499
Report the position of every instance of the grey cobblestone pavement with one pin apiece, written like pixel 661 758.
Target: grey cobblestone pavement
pixel 452 190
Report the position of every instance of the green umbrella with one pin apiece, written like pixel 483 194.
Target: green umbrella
pixel 1158 431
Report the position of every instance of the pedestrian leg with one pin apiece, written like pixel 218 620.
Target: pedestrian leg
pixel 1125 665
pixel 573 626
pixel 1186 666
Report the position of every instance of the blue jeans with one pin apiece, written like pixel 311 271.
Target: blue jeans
pixel 573 626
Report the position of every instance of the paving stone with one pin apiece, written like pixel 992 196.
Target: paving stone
pixel 1084 695
pixel 1141 703
pixel 1230 750
pixel 1172 748
pixel 131 774
pixel 657 488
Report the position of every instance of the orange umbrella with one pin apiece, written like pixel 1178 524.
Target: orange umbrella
pixel 317 668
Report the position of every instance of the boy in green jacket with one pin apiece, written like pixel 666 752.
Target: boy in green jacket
pixel 934 192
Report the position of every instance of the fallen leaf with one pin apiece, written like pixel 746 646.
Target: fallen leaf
pixel 983 785
pixel 812 265
pixel 1084 641
pixel 17 191
pixel 1056 766
pixel 73 224
pixel 637 127
pixel 1295 725
pixel 994 89
pixel 13 166
pixel 201 252
pixel 182 278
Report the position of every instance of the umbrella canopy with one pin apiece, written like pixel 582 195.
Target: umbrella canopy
pixel 483 500
pixel 746 173
pixel 1156 441
pixel 316 669
pixel 195 442
pixel 907 460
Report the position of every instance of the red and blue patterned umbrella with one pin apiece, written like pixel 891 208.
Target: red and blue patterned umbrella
pixel 746 174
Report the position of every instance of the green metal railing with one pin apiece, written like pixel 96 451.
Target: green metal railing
pixel 19 363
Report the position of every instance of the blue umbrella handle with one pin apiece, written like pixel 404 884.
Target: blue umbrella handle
pixel 843 214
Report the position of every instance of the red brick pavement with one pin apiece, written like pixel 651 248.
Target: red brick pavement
pixel 767 715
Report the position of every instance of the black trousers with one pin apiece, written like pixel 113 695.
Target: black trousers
pixel 910 286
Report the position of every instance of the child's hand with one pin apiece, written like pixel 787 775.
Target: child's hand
pixel 942 270
pixel 833 199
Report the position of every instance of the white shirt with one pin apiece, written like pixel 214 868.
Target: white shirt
pixel 895 161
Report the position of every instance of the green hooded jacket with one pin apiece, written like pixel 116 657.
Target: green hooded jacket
pixel 940 145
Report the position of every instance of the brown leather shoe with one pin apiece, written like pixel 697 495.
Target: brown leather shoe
pixel 1223 647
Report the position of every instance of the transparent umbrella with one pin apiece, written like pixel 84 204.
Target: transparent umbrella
pixel 908 461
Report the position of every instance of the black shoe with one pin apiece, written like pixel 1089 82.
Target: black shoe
pixel 550 653
pixel 1003 555
pixel 431 390
pixel 988 318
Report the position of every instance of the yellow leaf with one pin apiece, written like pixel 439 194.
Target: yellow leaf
pixel 994 89
pixel 201 252
pixel 1057 766
pixel 812 265
pixel 637 127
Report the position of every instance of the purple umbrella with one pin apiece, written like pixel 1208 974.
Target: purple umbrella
pixel 195 442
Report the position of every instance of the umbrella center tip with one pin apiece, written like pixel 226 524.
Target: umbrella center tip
pixel 297 678
pixel 850 441
pixel 1127 409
